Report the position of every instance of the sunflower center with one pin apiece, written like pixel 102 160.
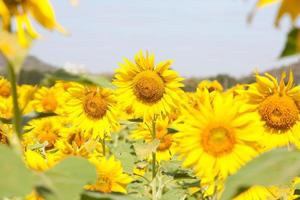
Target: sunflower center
pixel 218 141
pixel 149 87
pixel 95 106
pixel 105 184
pixel 3 138
pixel 5 90
pixel 279 112
pixel 49 103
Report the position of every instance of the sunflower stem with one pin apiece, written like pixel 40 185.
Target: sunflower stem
pixel 154 153
pixel 17 118
pixel 103 146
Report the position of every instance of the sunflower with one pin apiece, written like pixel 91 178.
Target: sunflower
pixel 111 177
pixel 43 131
pixel 287 7
pixel 92 108
pixel 218 138
pixel 165 149
pixel 4 88
pixel 47 100
pixel 74 141
pixel 260 193
pixel 37 161
pixel 210 86
pixel 26 96
pixel 41 11
pixel 148 88
pixel 278 107
pixel 6 131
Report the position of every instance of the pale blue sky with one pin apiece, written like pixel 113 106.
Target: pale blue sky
pixel 203 37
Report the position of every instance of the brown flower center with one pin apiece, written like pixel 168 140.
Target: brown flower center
pixel 279 112
pixel 218 141
pixel 3 138
pixel 149 87
pixel 49 103
pixel 94 105
pixel 5 90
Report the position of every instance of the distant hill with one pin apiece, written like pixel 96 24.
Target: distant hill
pixel 35 70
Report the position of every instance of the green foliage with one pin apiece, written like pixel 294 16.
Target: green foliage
pixel 16 180
pixel 100 196
pixel 67 179
pixel 291 46
pixel 144 150
pixel 61 74
pixel 277 167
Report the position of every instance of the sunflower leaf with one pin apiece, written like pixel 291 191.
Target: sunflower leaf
pixel 146 149
pixel 276 167
pixel 67 179
pixel 17 180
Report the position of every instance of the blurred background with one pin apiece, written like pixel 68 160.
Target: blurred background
pixel 205 39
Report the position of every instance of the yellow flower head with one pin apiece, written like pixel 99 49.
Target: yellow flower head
pixel 41 10
pixel 150 89
pixel 111 177
pixel 92 108
pixel 38 162
pixel 26 95
pixel 75 142
pixel 210 86
pixel 165 149
pixel 278 106
pixel 45 130
pixel 4 88
pixel 47 100
pixel 5 132
pixel 217 139
pixel 6 108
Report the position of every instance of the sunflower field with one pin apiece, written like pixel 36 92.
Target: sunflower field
pixel 141 136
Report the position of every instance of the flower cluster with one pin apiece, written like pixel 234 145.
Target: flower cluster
pixel 147 114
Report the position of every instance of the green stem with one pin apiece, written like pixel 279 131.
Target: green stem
pixel 154 153
pixel 103 146
pixel 17 119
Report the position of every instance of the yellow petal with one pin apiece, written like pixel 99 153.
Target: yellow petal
pixel 289 7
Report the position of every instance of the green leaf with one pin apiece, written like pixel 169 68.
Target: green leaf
pixel 146 149
pixel 176 194
pixel 67 179
pixel 291 46
pixel 276 167
pixel 100 196
pixel 125 153
pixel 16 179
pixel 36 115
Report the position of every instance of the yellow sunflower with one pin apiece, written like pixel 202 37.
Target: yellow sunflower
pixel 44 130
pixel 111 177
pixel 92 108
pixel 260 193
pixel 47 100
pixel 210 86
pixel 26 96
pixel 165 149
pixel 74 141
pixel 4 88
pixel 278 107
pixel 6 131
pixel 40 10
pixel 6 108
pixel 219 137
pixel 148 88
pixel 37 161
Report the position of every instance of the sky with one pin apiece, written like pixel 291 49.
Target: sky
pixel 203 38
